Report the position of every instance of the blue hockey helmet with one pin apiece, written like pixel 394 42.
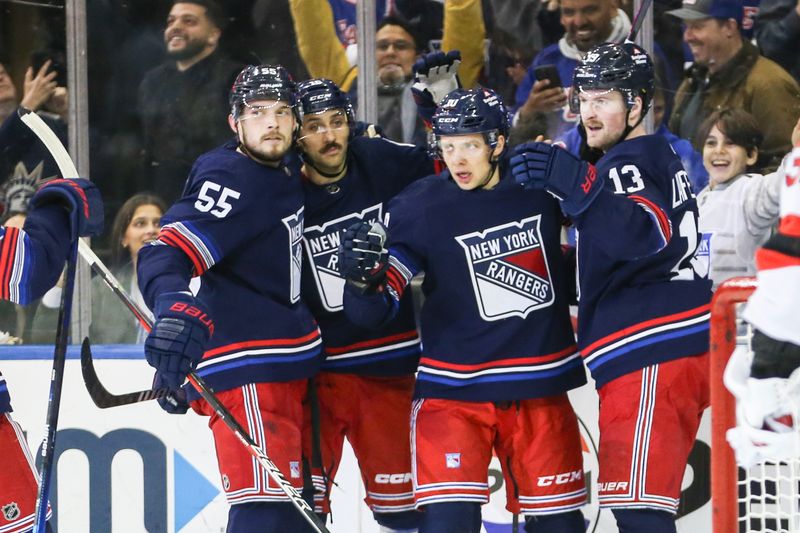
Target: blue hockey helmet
pixel 624 67
pixel 319 95
pixel 262 81
pixel 465 111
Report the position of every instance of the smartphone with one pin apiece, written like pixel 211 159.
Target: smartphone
pixel 548 72
pixel 57 64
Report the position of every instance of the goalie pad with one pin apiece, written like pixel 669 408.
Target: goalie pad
pixel 767 413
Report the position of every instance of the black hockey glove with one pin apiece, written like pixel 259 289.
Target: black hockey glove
pixel 178 338
pixel 539 165
pixel 363 257
pixel 80 198
pixel 175 402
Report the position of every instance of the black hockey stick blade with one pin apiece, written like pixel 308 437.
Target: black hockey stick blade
pixel 637 21
pixel 101 397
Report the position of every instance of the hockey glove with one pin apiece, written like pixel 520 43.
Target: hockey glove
pixel 175 402
pixel 176 343
pixel 362 256
pixel 540 165
pixel 435 76
pixel 80 198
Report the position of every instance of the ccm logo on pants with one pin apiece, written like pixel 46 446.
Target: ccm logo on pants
pixel 393 479
pixel 560 479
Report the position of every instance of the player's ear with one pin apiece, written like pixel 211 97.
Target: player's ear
pixel 636 112
pixel 232 124
pixel 498 149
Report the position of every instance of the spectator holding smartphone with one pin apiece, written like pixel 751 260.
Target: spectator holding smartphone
pixel 587 23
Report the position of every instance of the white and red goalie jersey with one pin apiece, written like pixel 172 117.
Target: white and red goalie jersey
pixel 768 388
pixel 772 309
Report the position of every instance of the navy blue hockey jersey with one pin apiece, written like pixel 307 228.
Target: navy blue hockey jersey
pixel 642 264
pixel 239 226
pixel 31 260
pixel 377 169
pixel 495 322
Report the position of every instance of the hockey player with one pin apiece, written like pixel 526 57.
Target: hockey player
pixel 644 299
pixel 239 228
pixel 364 391
pixel 768 392
pixel 31 260
pixel 498 349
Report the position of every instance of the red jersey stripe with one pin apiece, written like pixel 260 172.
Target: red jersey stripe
pixel 408 335
pixel 262 343
pixel 539 359
pixel 644 325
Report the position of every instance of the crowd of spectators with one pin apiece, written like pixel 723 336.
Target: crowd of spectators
pixel 163 101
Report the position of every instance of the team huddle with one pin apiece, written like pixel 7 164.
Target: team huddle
pixel 305 232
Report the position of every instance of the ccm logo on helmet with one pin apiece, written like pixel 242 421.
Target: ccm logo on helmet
pixel 393 479
pixel 560 479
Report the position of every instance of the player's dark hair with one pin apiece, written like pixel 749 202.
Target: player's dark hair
pixel 737 125
pixel 213 11
pixel 119 254
pixel 396 20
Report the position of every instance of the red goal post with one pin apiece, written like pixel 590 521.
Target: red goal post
pixel 764 497
pixel 724 473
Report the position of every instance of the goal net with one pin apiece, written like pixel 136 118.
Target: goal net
pixel 764 497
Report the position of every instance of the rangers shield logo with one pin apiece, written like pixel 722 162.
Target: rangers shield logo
pixel 322 246
pixel 509 269
pixel 294 225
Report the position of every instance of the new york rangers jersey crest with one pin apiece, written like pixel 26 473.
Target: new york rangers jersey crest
pixel 509 269
pixel 322 246
pixel 294 225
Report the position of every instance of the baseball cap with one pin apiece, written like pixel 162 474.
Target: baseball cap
pixel 703 9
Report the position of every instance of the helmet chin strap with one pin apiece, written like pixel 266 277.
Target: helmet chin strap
pixel 628 128
pixel 255 157
pixel 336 174
pixel 493 162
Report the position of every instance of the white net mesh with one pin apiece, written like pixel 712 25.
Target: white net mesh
pixel 769 492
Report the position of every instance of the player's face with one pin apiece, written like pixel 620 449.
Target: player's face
pixel 265 128
pixel 467 159
pixel 189 31
pixel 143 227
pixel 709 40
pixel 603 115
pixel 723 159
pixel 588 22
pixel 395 54
pixel 8 92
pixel 323 138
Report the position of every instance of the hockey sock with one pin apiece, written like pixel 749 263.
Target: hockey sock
pixel 571 522
pixel 451 517
pixel 257 517
pixel 406 521
pixel 650 520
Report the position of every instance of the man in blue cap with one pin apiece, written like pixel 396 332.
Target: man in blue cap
pixel 728 71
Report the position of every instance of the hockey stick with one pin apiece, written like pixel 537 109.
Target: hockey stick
pixel 61 156
pixel 101 397
pixel 67 169
pixel 638 20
